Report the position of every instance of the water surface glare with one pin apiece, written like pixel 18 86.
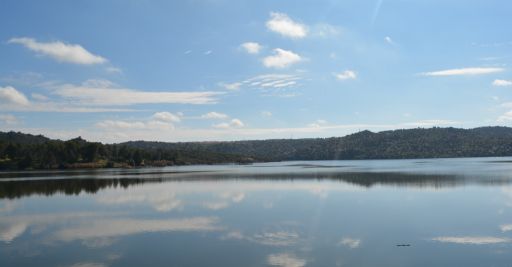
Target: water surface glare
pixel 432 212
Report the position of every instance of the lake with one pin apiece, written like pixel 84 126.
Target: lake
pixel 422 212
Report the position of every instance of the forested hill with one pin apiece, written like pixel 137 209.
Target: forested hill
pixel 397 144
pixel 25 151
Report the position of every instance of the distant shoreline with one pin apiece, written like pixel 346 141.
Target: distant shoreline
pixel 19 151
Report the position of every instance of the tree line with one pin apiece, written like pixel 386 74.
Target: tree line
pixel 20 151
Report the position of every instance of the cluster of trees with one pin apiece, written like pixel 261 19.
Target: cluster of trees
pixel 20 151
pixel 23 151
pixel 398 144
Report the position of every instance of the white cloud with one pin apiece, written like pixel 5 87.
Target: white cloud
pixel 346 75
pixel 463 71
pixel 9 120
pixel 70 53
pixel 284 25
pixel 251 47
pixel 208 52
pixel 505 117
pixel 214 115
pixel 10 95
pixel 285 260
pixel 350 242
pixel 102 92
pixel 232 86
pixel 281 59
pixel 234 123
pixel 472 240
pixel 166 117
pixel 502 83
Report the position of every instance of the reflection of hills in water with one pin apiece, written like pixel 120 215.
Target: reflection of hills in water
pixel 17 188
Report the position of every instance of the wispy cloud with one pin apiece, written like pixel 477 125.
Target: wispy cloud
pixel 102 92
pixel 222 132
pixel 231 86
pixel 275 81
pixel 234 123
pixel 281 59
pixel 159 121
pixel 251 47
pixel 39 97
pixel 214 115
pixel 281 23
pixel 266 113
pixel 137 125
pixel 60 51
pixel 166 117
pixel 463 71
pixel 9 120
pixel 346 75
pixel 502 83
pixel 430 123
pixel 114 70
pixel 317 123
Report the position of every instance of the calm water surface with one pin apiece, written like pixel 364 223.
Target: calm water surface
pixel 441 212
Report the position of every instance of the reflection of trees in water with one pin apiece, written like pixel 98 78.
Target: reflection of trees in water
pixel 18 189
pixel 402 180
pixel 75 186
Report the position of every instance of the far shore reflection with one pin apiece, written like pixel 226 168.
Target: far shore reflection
pixel 433 174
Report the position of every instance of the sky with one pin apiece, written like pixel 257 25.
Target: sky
pixel 193 70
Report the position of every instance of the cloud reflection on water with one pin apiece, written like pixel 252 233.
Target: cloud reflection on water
pixel 472 240
pixel 120 227
pixel 285 260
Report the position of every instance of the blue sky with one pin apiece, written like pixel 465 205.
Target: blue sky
pixel 193 70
